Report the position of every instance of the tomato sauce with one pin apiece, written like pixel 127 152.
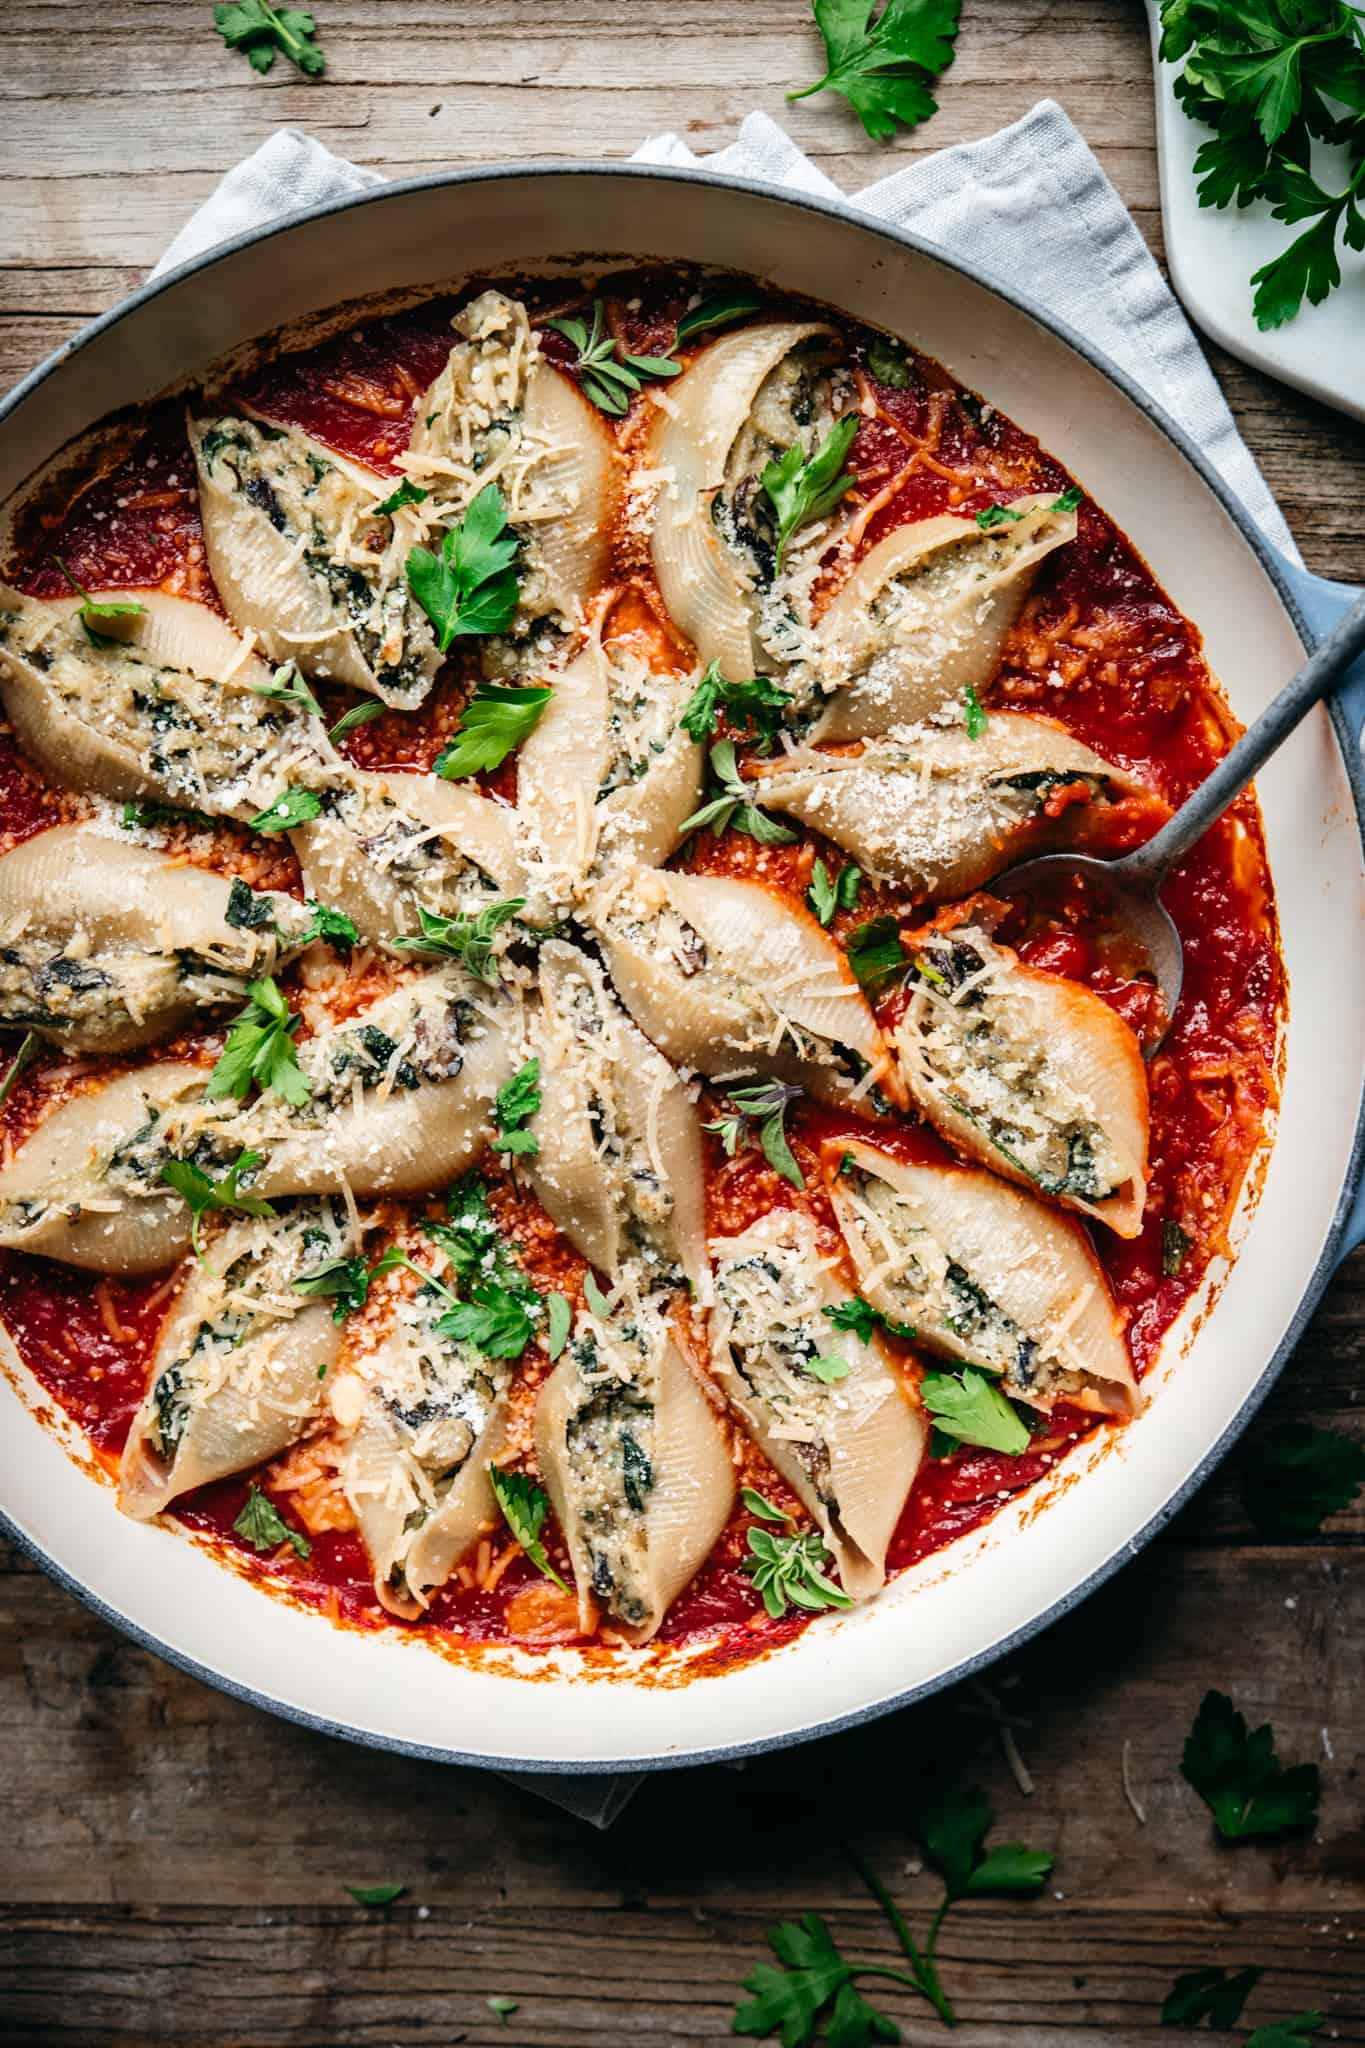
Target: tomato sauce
pixel 1098 647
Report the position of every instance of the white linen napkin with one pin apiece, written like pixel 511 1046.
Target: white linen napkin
pixel 1032 207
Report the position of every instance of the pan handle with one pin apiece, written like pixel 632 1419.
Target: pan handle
pixel 1322 603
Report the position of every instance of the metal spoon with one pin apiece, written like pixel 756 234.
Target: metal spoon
pixel 1130 886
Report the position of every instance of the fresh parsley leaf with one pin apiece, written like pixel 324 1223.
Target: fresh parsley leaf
pixel 201 1192
pixel 734 807
pixel 346 1280
pixel 815 1987
pixel 952 1821
pixel 757 1505
pixel 263 1526
pixel 502 2008
pixel 976 717
pixel 376 1894
pixel 469 939
pixel 1295 2033
pixel 997 515
pixel 493 722
pixel 358 715
pixel 884 68
pixel 827 1366
pixel 396 1260
pixel 717 309
pixel 859 1316
pixel 260 1048
pixel 259 30
pixel 597 1301
pixel 524 1507
pixel 800 490
pixel 471 1239
pixel 1298 1476
pixel 95 612
pixel 496 1320
pixel 825 897
pixel 1213 1995
pixel 146 817
pixel 291 807
pixel 756 706
pixel 875 952
pixel 24 1057
pixel 973 1410
pixel 288 686
pixel 789 1571
pixel 606 374
pixel 517 1102
pixel 764 1105
pixel 407 493
pixel 329 924
pixel 888 362
pixel 560 1323
pixel 471 586
pixel 1069 501
pixel 1239 1777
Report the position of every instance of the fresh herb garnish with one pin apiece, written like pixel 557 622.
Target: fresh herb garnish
pixel 260 1048
pixel 471 586
pixel 884 68
pixel 888 362
pixel 497 1320
pixel 288 686
pixel 146 817
pixel 827 1366
pixel 376 1894
pixel 1297 1476
pixel 814 1988
pixel 358 715
pixel 94 612
pixel 407 493
pixel 259 30
pixel 524 1508
pixel 859 1316
pixel 263 1526
pixel 291 807
pixel 875 952
pixel 517 1102
pixel 801 490
pixel 469 939
pixel 975 716
pixel 196 1188
pixel 1175 1242
pixel 1269 78
pixel 597 1301
pixel 471 1239
pixel 346 1281
pixel 825 897
pixel 329 924
pixel 997 515
pixel 559 1324
pixel 757 705
pixel 1069 500
pixel 1213 1995
pixel 789 1571
pixel 734 807
pixel 718 309
pixel 1239 1777
pixel 972 1410
pixel 503 2008
pixel 24 1057
pixel 1295 2033
pixel 757 1505
pixel 493 722
pixel 765 1105
pixel 610 379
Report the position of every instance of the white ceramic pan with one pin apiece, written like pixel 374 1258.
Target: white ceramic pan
pixel 968 1604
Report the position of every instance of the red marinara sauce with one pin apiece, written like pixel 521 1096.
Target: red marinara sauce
pixel 1098 647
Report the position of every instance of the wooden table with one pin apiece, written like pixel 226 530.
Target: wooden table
pixel 173 1864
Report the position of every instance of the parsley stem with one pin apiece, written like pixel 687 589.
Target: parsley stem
pixel 925 1977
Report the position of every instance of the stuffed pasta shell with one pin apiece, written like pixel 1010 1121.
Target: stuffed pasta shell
pixel 620 1161
pixel 940 813
pixel 721 973
pixel 427 1414
pixel 635 1464
pixel 1033 1075
pixel 925 615
pixel 740 405
pixel 826 1409
pixel 240 1366
pixel 985 1274
pixel 106 944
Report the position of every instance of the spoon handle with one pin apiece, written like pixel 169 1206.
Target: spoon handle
pixel 1153 862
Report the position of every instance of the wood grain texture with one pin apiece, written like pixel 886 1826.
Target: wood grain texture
pixel 174 1863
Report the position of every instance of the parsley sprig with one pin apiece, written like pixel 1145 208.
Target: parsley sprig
pixel 470 587
pixel 493 723
pixel 260 1049
pixel 859 1316
pixel 1240 1779
pixel 203 1193
pixel 734 808
pixel 344 1282
pixel 1213 1995
pixel 884 68
pixel 755 707
pixel 607 374
pixel 971 1409
pixel 516 1103
pixel 524 1507
pixel 801 489
pixel 826 896
pixel 875 953
pixel 463 938
pixel 259 30
pixel 1299 1475
pixel 1269 78
pixel 290 808
pixel 94 612
pixel 765 1106
pixel 263 1526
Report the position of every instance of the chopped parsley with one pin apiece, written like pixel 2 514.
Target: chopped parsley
pixel 203 1193
pixel 1239 1777
pixel 346 1282
pixel 329 924
pixel 826 897
pixel 407 493
pixel 800 490
pixel 471 586
pixel 517 1102
pixel 734 806
pixel 764 1105
pixel 524 1507
pixel 467 939
pixel 493 723
pixel 975 716
pixel 260 1049
pixel 263 1526
pixel 859 1316
pixel 997 515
